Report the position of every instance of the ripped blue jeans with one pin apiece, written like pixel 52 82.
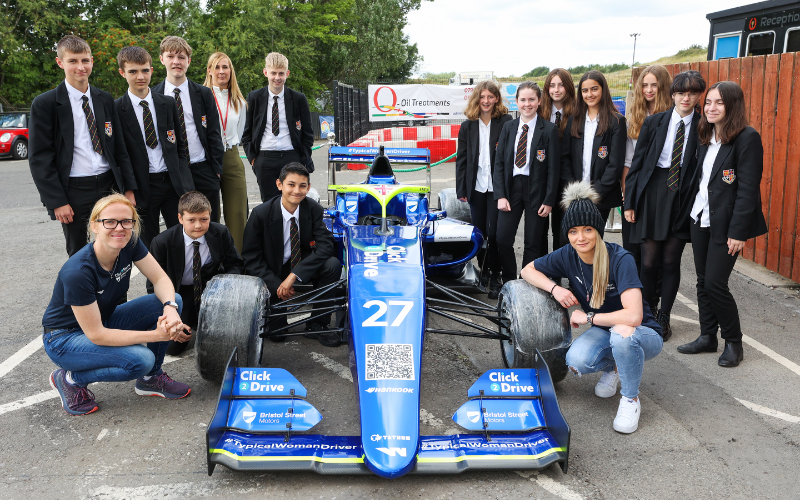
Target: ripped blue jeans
pixel 599 350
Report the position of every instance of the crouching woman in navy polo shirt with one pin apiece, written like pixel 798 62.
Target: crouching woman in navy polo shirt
pixel 95 339
pixel 623 333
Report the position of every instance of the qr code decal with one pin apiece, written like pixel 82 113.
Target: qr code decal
pixel 390 362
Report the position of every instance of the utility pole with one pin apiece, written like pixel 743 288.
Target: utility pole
pixel 634 35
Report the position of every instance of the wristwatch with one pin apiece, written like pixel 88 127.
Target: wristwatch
pixel 171 303
pixel 590 318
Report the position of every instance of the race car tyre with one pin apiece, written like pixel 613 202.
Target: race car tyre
pixel 455 208
pixel 231 315
pixel 537 321
pixel 19 150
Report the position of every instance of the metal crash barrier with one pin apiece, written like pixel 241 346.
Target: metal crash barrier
pixel 397 156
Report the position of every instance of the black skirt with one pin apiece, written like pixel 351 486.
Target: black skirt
pixel 658 209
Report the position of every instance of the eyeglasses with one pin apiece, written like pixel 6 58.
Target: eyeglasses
pixel 112 223
pixel 691 95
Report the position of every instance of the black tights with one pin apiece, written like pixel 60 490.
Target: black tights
pixel 665 255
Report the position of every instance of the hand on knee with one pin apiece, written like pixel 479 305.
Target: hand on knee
pixel 623 330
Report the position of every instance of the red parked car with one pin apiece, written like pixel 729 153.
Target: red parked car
pixel 14 135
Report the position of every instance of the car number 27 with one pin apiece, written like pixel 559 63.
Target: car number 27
pixel 383 307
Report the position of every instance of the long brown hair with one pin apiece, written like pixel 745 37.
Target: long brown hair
pixel 638 110
pixel 546 104
pixel 735 119
pixel 607 111
pixel 473 109
pixel 233 86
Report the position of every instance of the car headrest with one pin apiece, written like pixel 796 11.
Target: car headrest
pixel 381 165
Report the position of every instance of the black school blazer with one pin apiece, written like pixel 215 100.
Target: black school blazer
pixel 734 189
pixel 469 144
pixel 608 159
pixel 542 162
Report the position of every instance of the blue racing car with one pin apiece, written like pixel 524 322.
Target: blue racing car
pixel 402 262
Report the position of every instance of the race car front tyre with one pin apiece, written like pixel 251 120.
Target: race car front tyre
pixel 455 208
pixel 536 321
pixel 231 315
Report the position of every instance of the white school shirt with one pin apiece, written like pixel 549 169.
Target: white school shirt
pixel 154 156
pixel 630 145
pixel 234 127
pixel 701 200
pixel 205 257
pixel 196 151
pixel 589 131
pixel 282 141
pixel 531 127
pixel 674 122
pixel 85 161
pixel 483 182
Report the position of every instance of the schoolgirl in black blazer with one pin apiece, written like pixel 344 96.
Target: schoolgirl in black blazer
pixel 486 114
pixel 663 161
pixel 602 164
pixel 723 210
pixel 525 179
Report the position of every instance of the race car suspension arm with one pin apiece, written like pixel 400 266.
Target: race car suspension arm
pixel 464 304
pixel 291 307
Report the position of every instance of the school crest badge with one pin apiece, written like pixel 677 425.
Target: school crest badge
pixel 540 155
pixel 298 125
pixel 602 152
pixel 171 136
pixel 108 129
pixel 203 121
pixel 728 176
pixel 312 243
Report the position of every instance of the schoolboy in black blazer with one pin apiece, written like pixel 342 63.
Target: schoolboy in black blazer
pixel 72 176
pixel 275 136
pixel 200 119
pixel 216 251
pixel 157 152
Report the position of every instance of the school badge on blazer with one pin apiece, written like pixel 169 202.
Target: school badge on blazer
pixel 540 155
pixel 203 121
pixel 298 124
pixel 728 176
pixel 171 136
pixel 108 129
pixel 602 152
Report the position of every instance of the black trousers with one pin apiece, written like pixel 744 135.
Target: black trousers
pixel 207 182
pixel 164 201
pixel 82 194
pixel 553 225
pixel 267 167
pixel 189 316
pixel 483 210
pixel 507 223
pixel 716 303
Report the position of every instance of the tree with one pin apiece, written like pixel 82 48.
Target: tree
pixel 538 71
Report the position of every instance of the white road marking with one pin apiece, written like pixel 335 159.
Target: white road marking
pixel 550 485
pixel 770 411
pixel 53 394
pixel 102 434
pixel 135 272
pixel 20 356
pixel 688 303
pixel 685 320
pixel 344 372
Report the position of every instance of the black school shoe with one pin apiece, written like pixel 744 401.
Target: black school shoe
pixel 703 343
pixel 666 329
pixel 495 284
pixel 732 355
pixel 328 339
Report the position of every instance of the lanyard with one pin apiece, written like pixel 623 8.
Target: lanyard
pixel 225 120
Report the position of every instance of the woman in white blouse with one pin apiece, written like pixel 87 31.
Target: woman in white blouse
pixel 231 105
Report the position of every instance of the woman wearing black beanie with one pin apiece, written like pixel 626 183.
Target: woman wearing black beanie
pixel 623 332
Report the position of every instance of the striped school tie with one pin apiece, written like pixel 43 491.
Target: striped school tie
pixel 177 92
pixel 675 165
pixel 149 129
pixel 294 238
pixel 196 283
pixel 522 148
pixel 275 118
pixel 90 121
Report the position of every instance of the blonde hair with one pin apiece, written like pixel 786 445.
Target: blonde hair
pixel 600 273
pixel 233 86
pixel 72 44
pixel 175 44
pixel 111 199
pixel 276 60
pixel 473 109
pixel 638 110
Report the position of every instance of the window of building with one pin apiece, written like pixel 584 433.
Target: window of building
pixel 726 45
pixel 761 44
pixel 792 40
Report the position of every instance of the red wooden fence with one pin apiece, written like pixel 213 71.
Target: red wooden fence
pixel 771 87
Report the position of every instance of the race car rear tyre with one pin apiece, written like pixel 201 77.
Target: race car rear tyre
pixel 231 315
pixel 537 321
pixel 455 208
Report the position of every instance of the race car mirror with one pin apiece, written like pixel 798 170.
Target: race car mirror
pixel 434 216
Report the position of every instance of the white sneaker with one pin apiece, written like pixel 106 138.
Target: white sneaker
pixel 607 385
pixel 627 420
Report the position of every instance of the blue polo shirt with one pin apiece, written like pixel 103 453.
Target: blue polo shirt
pixel 82 281
pixel 622 275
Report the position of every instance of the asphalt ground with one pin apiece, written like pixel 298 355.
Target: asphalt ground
pixel 705 431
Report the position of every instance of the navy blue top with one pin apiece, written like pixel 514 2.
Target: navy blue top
pixel 622 275
pixel 83 281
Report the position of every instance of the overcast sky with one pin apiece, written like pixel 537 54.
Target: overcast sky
pixel 515 36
